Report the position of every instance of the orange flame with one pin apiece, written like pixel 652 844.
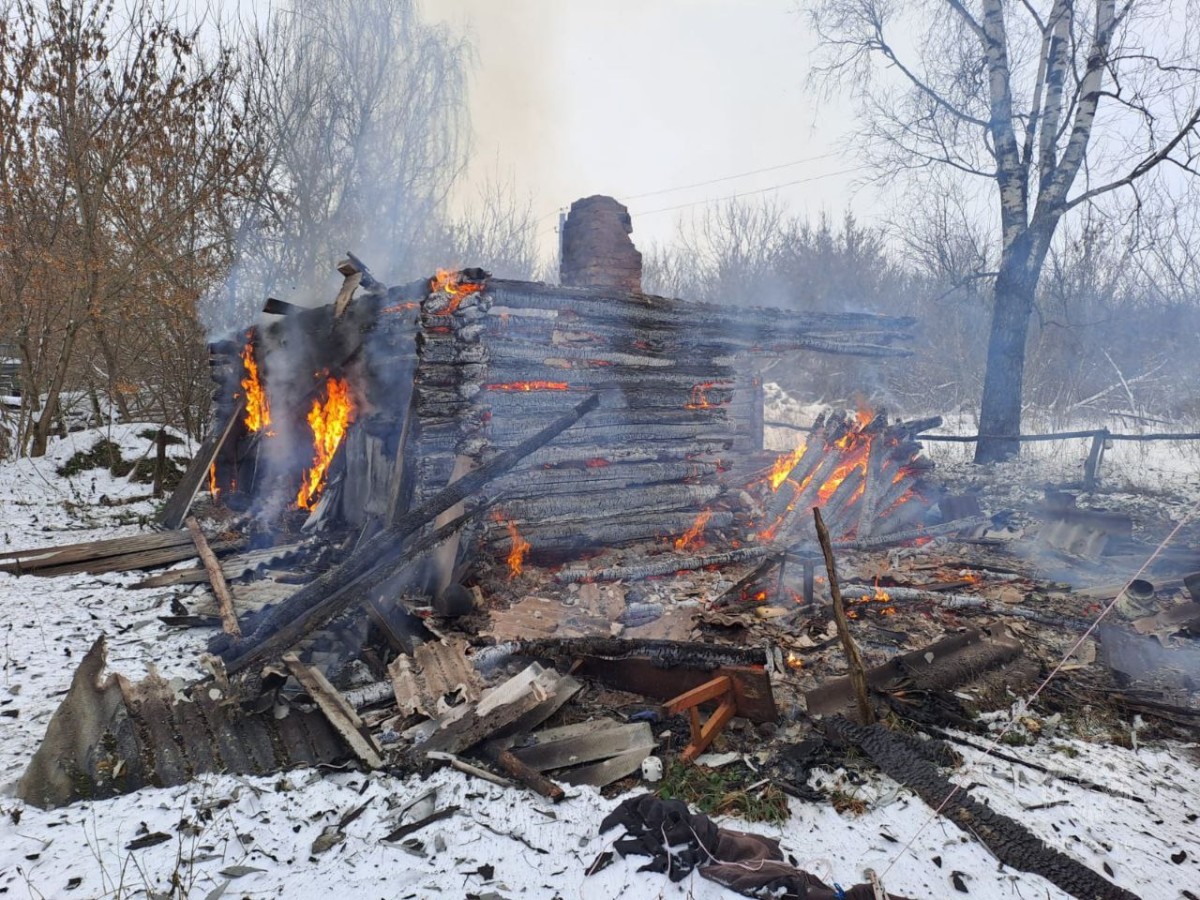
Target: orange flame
pixel 529 386
pixel 258 408
pixel 328 419
pixel 784 465
pixel 520 546
pixel 450 283
pixel 880 596
pixel 794 661
pixel 692 538
pixel 213 490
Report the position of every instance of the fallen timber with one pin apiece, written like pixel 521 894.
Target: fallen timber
pixel 971 602
pixel 664 565
pixel 298 612
pixel 1011 842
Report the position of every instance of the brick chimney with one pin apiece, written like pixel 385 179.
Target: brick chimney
pixel 596 249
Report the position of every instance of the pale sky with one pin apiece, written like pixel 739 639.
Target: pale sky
pixel 625 97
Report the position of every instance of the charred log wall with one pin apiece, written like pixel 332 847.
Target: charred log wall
pixel 480 364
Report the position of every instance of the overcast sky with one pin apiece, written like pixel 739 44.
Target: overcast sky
pixel 626 97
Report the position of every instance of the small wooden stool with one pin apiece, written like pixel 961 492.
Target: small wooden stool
pixel 720 688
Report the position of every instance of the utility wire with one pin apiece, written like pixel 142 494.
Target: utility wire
pixel 774 187
pixel 1028 702
pixel 684 187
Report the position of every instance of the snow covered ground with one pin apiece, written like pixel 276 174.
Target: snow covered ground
pixel 254 837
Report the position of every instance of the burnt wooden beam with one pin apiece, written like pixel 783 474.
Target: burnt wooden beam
pixel 296 613
pixel 341 715
pixel 177 507
pixel 216 577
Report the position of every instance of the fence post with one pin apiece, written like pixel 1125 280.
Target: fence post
pixel 1091 469
pixel 160 461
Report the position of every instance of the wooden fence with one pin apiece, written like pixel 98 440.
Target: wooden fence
pixel 1101 439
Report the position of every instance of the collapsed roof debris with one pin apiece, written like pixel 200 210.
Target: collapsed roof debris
pixel 533 533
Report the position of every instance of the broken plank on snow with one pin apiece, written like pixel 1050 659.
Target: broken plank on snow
pixel 341 715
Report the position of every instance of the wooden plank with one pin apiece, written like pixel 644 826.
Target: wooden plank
pixel 710 690
pixel 36 557
pixel 216 577
pixel 526 775
pixel 858 673
pixel 352 280
pixel 709 730
pixel 177 507
pixel 339 713
pixel 146 560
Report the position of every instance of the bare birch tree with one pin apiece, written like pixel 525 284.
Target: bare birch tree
pixel 1054 104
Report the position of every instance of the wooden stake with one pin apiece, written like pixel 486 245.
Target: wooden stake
pixel 160 461
pixel 858 673
pixel 531 778
pixel 216 577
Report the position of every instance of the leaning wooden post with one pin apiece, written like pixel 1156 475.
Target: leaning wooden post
pixel 858 674
pixel 1091 469
pixel 160 461
pixel 216 577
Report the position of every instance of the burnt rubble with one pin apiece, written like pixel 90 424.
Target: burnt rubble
pixel 532 532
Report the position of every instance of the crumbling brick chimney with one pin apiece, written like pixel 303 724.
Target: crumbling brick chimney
pixel 596 249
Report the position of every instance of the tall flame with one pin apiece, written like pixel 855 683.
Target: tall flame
pixel 692 538
pixel 784 465
pixel 329 417
pixel 213 490
pixel 258 408
pixel 518 549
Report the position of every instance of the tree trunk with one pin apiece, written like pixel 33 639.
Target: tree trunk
pixel 41 431
pixel 1016 284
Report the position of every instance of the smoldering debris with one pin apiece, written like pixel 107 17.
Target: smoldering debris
pixel 533 535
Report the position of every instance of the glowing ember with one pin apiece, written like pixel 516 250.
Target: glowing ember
pixel 213 490
pixel 529 386
pixel 401 307
pixel 784 465
pixel 452 286
pixel 597 463
pixel 700 398
pixel 520 546
pixel 332 412
pixel 692 538
pixel 258 408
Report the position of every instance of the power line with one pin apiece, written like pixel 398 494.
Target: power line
pixel 684 187
pixel 775 187
pixel 697 184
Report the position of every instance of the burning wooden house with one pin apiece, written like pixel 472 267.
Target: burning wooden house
pixel 353 413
